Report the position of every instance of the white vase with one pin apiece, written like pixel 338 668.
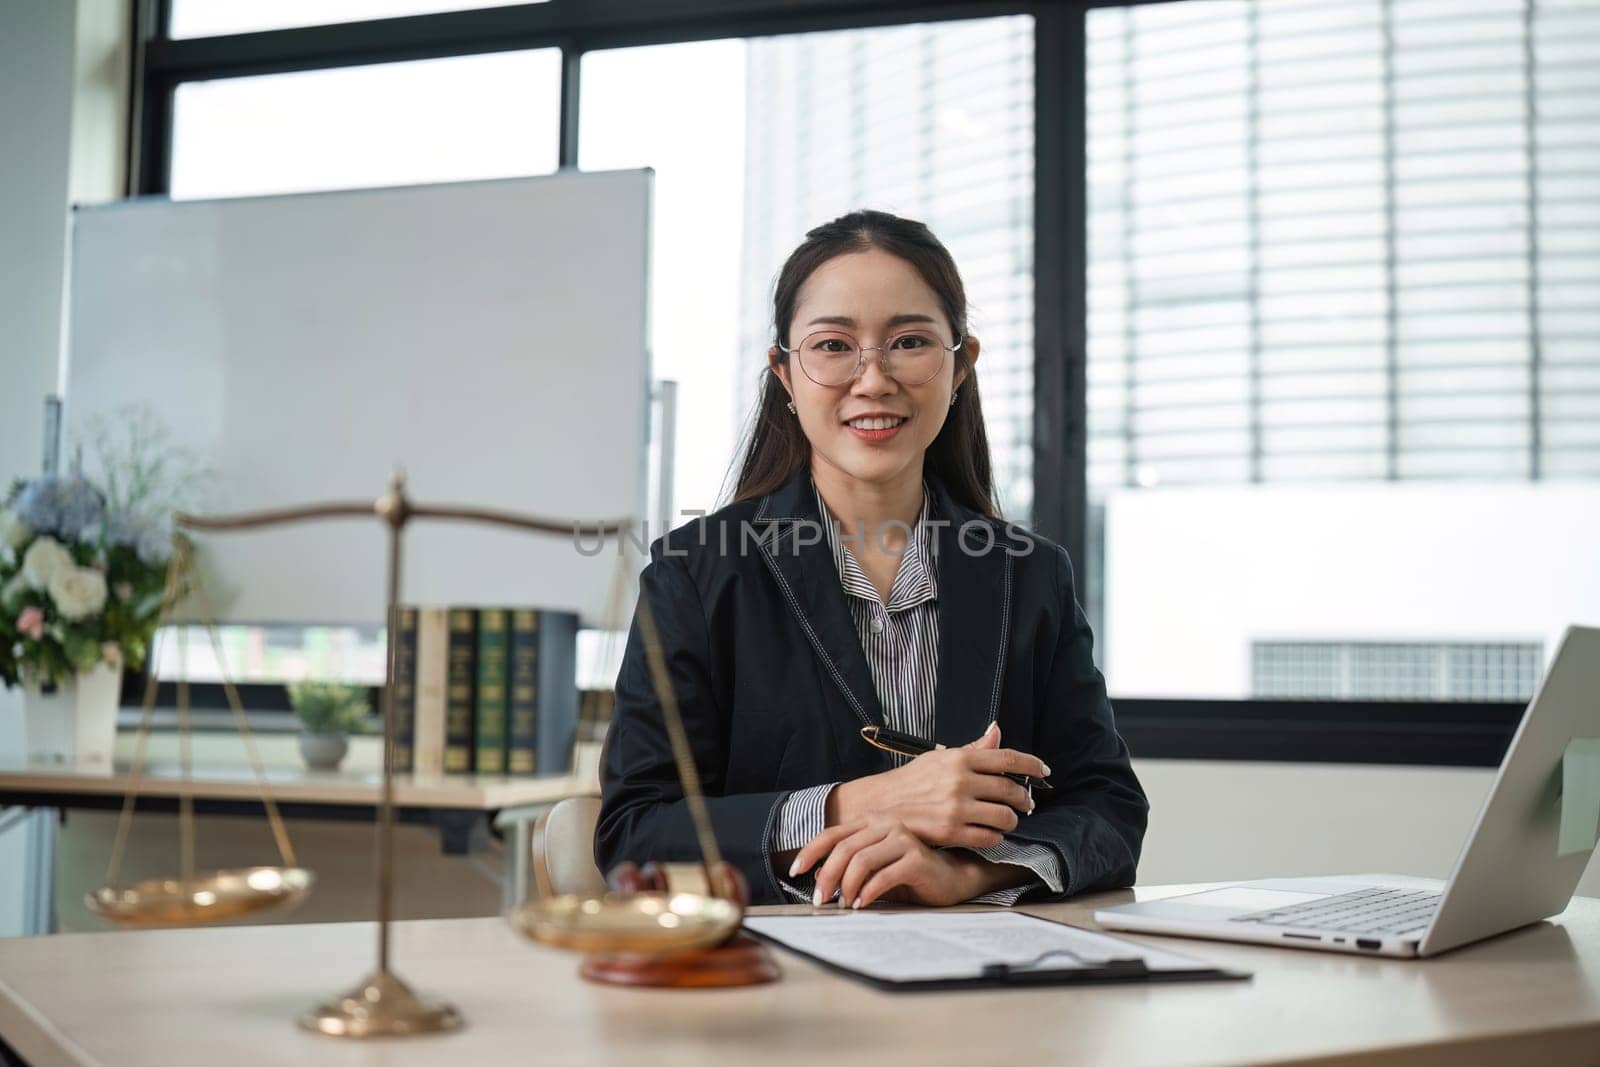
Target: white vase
pixel 77 722
pixel 323 752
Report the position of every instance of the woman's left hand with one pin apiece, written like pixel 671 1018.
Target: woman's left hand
pixel 877 856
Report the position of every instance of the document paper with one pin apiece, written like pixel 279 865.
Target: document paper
pixel 911 947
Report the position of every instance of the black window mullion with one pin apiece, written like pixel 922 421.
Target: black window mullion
pixel 598 23
pixel 571 84
pixel 1060 273
pixel 150 105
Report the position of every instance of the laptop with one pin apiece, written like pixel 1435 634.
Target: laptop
pixel 1509 874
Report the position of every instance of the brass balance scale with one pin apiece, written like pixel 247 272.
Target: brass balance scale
pixel 624 933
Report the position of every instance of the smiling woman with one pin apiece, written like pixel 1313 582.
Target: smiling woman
pixel 870 271
pixel 862 577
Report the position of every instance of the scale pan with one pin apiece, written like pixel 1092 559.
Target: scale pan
pixel 206 898
pixel 638 922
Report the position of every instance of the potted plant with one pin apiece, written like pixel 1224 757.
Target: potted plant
pixel 83 567
pixel 81 582
pixel 329 713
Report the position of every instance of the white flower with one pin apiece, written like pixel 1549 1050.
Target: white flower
pixel 44 559
pixel 79 592
pixel 13 531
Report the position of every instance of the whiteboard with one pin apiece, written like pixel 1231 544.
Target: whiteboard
pixel 487 337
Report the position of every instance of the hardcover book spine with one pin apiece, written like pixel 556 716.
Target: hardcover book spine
pixel 405 689
pixel 433 667
pixel 490 742
pixel 522 745
pixel 558 691
pixel 459 692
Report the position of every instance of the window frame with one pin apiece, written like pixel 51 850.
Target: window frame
pixel 1437 733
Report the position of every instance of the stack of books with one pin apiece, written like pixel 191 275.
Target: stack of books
pixel 485 690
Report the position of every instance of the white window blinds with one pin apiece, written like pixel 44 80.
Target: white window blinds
pixel 930 121
pixel 1352 239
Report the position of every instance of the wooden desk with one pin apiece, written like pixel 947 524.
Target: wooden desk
pixel 209 996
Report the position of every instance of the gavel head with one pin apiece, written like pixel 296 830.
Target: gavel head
pixel 628 878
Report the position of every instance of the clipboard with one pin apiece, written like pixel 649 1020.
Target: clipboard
pixel 915 951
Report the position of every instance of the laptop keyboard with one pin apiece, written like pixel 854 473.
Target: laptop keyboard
pixel 1366 911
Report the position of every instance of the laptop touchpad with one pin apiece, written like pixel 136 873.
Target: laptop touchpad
pixel 1245 899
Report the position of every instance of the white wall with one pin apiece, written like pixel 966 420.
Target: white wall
pixel 63 102
pixel 63 115
pixel 36 71
pixel 1194 575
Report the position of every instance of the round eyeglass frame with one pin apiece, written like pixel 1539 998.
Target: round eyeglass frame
pixel 861 356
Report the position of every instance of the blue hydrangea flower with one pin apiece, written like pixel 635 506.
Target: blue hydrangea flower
pixel 155 545
pixel 62 506
pixel 148 536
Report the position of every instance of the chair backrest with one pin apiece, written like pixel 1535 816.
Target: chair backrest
pixel 563 849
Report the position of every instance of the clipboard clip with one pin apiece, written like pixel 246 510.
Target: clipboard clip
pixel 1127 966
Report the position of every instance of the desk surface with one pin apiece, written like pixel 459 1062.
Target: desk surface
pixel 214 781
pixel 208 996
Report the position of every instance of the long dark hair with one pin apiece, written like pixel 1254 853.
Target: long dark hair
pixel 778 449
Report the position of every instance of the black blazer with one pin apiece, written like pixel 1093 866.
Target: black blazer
pixel 774 688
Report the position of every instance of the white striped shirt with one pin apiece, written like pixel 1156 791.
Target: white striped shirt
pixel 901 643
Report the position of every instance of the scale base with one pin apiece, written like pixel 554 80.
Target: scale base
pixel 381 1006
pixel 742 961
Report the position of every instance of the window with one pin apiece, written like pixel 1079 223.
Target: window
pixel 450 119
pixel 731 201
pixel 1344 334
pixel 1342 270
pixel 932 121
pixel 754 142
pixel 352 654
pixel 680 109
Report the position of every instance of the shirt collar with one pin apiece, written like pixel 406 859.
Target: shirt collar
pixel 915 581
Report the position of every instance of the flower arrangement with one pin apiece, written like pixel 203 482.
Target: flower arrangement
pixel 330 708
pixel 80 582
pixel 83 562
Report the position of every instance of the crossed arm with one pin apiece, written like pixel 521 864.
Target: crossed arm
pixel 924 833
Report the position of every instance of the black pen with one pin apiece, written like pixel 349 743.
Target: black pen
pixel 904 744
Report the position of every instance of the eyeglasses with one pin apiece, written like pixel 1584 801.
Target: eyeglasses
pixel 833 357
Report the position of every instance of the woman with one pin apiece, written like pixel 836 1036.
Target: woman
pixel 861 577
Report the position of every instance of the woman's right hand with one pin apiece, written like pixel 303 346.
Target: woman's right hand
pixel 954 796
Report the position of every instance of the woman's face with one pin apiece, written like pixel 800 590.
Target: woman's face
pixel 874 296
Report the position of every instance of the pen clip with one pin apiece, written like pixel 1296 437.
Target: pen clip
pixel 869 734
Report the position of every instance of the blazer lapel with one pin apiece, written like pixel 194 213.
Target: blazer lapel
pixel 974 622
pixel 796 552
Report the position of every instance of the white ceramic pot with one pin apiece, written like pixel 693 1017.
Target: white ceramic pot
pixel 75 723
pixel 323 752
